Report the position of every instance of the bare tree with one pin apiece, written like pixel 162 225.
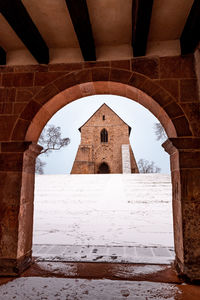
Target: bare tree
pixel 50 139
pixel 146 166
pixel 159 132
pixel 39 166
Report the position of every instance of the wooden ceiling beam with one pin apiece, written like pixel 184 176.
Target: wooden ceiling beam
pixel 190 36
pixel 2 56
pixel 79 14
pixel 141 17
pixel 17 16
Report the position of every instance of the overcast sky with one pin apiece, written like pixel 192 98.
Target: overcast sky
pixel 75 114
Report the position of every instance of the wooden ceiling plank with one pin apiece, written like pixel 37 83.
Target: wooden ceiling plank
pixel 79 14
pixel 190 36
pixel 2 56
pixel 17 16
pixel 141 17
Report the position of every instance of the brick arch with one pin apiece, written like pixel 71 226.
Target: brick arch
pixel 94 81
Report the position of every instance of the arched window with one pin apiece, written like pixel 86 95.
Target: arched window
pixel 104 136
pixel 103 168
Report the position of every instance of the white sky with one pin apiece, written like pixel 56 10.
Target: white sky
pixel 73 115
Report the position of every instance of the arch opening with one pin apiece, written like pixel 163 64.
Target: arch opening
pixel 103 168
pixel 107 192
pixel 98 88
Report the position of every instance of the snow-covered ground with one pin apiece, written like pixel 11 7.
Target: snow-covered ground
pixel 113 209
pixel 72 289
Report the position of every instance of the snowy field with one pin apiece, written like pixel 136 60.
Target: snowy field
pixel 117 209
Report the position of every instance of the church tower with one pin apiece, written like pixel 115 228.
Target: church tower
pixel 105 146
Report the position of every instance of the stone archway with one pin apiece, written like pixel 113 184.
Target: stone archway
pixel 182 146
pixel 103 168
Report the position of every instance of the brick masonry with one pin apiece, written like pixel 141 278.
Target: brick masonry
pixel 30 95
pixel 171 81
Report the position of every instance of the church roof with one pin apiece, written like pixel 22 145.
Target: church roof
pixel 112 111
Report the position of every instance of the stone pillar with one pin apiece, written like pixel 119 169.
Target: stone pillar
pixel 17 168
pixel 185 171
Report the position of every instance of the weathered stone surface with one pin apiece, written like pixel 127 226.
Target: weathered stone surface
pixel 188 90
pixel 14 146
pixel 17 79
pixel 65 82
pixel 20 130
pixel 30 68
pixel 25 229
pixel 7 94
pixel 43 78
pixel 6 108
pixel 186 199
pixel 121 76
pixel 94 64
pixel 137 80
pixel 100 74
pixel 162 97
pixel 65 67
pixel 83 76
pixel 26 94
pixel 117 88
pixel 30 110
pixel 182 126
pixel 16 209
pixel 19 107
pixel 177 67
pixel 46 94
pixel 190 159
pixel 14 267
pixel 174 110
pixel 121 64
pixel 10 186
pixel 95 150
pixel 171 85
pixel 148 66
pixel 6 124
pixel 192 111
pixel 150 87
pixel 11 161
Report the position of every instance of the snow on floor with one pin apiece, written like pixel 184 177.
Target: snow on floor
pixel 114 254
pixel 68 289
pixel 111 209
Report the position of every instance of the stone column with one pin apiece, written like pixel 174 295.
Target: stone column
pixel 185 172
pixel 17 168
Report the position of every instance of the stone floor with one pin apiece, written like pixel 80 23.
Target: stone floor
pixel 97 281
pixel 120 254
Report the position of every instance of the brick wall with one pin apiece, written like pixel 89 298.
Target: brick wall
pixel 171 81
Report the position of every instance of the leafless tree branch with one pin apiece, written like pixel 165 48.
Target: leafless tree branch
pixel 50 139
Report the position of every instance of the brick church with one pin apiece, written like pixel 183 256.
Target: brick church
pixel 105 146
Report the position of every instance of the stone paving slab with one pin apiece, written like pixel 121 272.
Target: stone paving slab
pixel 71 289
pixel 90 253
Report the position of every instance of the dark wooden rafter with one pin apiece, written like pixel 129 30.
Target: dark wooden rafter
pixel 17 16
pixel 81 21
pixel 141 17
pixel 2 56
pixel 191 33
